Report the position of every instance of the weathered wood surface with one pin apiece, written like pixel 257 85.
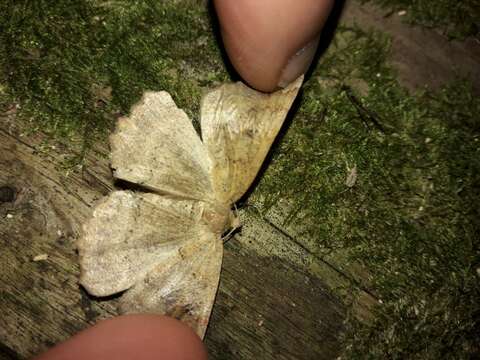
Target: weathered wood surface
pixel 274 296
pixel 420 56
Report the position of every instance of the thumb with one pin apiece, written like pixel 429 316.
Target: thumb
pixel 271 42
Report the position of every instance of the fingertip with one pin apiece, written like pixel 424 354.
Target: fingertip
pixel 140 337
pixel 271 42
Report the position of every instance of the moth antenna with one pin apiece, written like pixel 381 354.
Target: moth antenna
pixel 229 235
pixel 235 225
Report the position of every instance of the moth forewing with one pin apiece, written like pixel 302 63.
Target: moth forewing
pixel 157 147
pixel 239 125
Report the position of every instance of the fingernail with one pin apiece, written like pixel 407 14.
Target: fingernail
pixel 298 63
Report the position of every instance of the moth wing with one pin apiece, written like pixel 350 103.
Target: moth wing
pixel 238 127
pixel 183 285
pixel 158 148
pixel 129 234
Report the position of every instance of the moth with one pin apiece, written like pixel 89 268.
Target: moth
pixel 163 243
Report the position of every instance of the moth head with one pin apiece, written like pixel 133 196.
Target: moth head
pixel 219 218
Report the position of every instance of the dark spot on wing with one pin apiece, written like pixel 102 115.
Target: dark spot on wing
pixel 180 312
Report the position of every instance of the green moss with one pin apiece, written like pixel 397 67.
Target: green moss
pixel 75 66
pixel 456 19
pixel 411 217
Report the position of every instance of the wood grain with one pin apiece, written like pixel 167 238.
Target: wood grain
pixel 274 297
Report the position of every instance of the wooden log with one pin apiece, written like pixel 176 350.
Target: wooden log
pixel 274 300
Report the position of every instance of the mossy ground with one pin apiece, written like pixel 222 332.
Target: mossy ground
pixel 410 215
pixel 74 67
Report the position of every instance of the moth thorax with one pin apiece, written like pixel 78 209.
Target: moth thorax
pixel 217 217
